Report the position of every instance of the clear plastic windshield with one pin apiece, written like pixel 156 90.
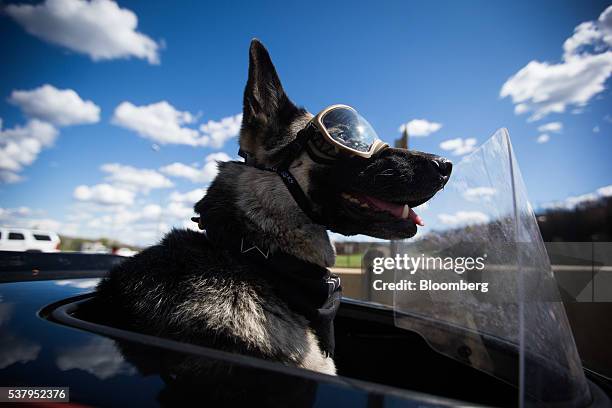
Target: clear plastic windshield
pixel 349 128
pixel 485 294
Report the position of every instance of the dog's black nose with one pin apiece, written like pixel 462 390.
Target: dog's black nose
pixel 444 167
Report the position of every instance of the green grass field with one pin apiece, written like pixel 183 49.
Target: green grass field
pixel 348 261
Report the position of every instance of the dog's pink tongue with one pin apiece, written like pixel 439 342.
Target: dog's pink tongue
pixel 416 218
pixel 397 210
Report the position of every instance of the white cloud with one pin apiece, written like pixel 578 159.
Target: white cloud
pixel 181 204
pixel 204 174
pixel 459 146
pixel 553 127
pixel 139 224
pixel 98 28
pixel 520 109
pixel 543 88
pixel 543 138
pixel 605 191
pixel 21 145
pixel 192 173
pixel 581 199
pixel 151 211
pixel 217 133
pixel 574 201
pixel 47 224
pixel 590 36
pixel 191 197
pixel 210 169
pixel 585 34
pixel 420 127
pixel 79 283
pixel 336 237
pixel 189 224
pixel 9 177
pixel 179 210
pixel 163 123
pixel 98 357
pixel 596 129
pixel 16 349
pixel 24 217
pixel 14 212
pixel 549 88
pixel 125 219
pixel 217 156
pixel 479 193
pixel 463 218
pixel 159 122
pixel 104 194
pixel 131 178
pixel 59 106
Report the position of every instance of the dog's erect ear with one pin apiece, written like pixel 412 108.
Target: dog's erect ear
pixel 264 92
pixel 267 110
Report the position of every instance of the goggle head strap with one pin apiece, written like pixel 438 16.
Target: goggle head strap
pixel 318 148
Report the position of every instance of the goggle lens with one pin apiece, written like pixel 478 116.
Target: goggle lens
pixel 350 129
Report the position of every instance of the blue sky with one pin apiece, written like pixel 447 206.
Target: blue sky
pixel 443 62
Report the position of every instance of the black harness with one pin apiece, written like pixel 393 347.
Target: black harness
pixel 308 289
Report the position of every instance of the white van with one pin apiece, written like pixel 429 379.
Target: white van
pixel 20 239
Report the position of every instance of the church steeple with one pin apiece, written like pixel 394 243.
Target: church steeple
pixel 402 142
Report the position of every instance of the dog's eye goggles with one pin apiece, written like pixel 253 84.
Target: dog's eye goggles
pixel 341 130
pixel 337 131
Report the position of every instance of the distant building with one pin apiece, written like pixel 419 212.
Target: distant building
pixel 402 142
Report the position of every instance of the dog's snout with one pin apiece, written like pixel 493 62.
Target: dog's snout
pixel 444 167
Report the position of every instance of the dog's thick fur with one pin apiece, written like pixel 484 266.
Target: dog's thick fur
pixel 192 287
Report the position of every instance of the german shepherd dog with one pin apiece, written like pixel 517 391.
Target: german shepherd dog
pixel 241 285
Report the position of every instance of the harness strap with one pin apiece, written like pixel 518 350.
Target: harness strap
pixel 289 154
pixel 298 195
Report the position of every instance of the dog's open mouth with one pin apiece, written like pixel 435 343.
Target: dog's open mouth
pixel 376 205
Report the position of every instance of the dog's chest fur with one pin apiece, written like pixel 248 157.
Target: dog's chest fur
pixel 192 290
